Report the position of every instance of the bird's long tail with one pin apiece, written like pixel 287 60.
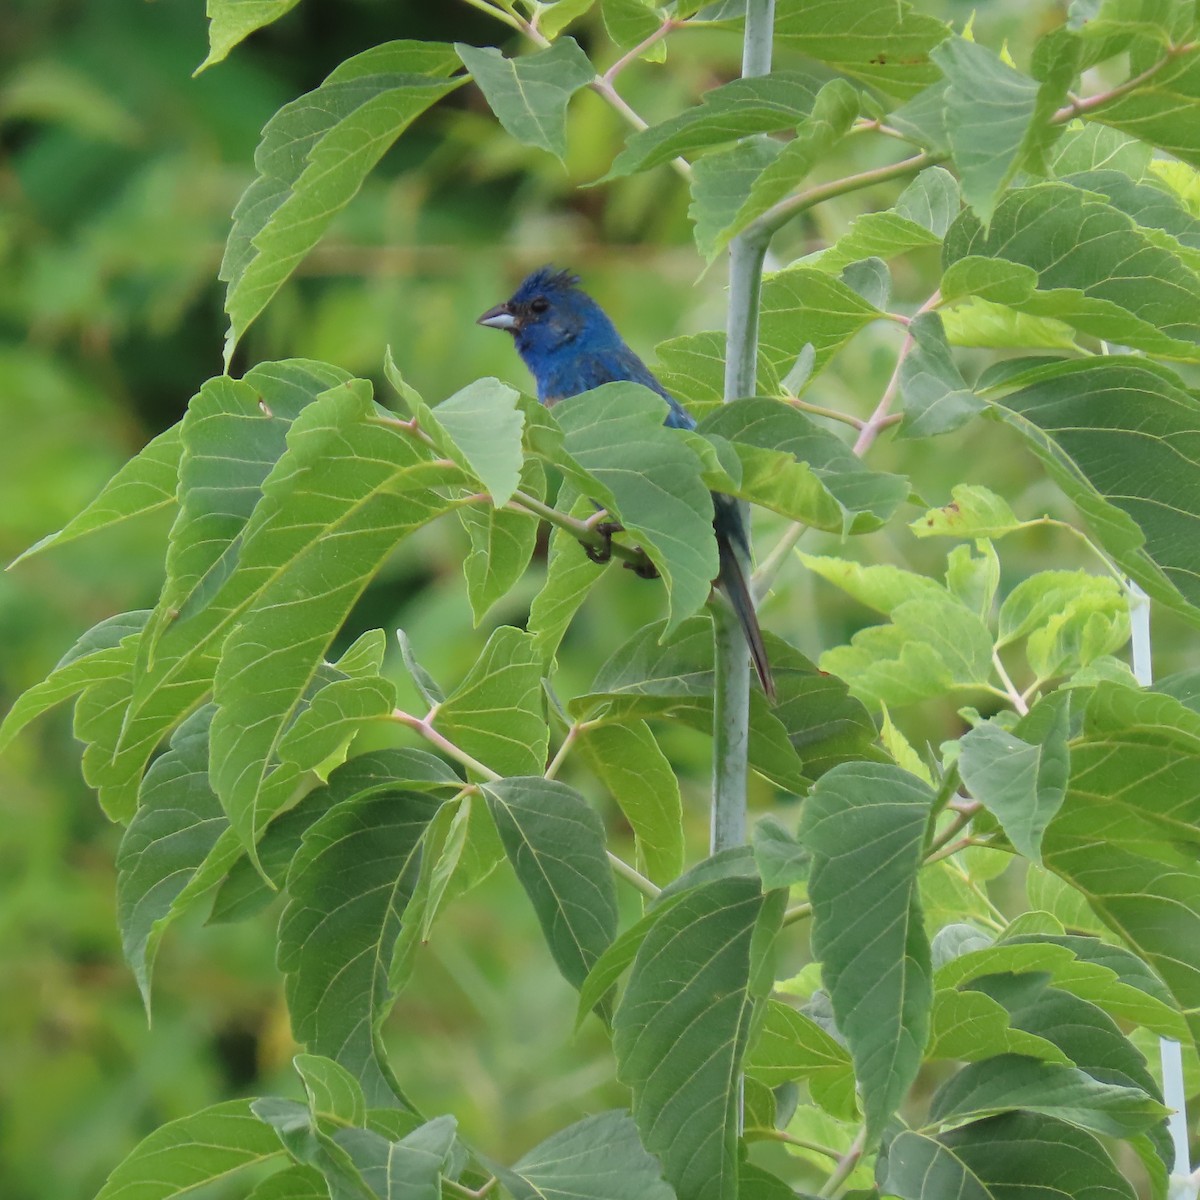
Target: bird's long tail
pixel 731 534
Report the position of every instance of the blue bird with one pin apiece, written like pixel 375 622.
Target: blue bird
pixel 570 346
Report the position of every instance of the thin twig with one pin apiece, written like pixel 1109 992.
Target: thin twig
pixel 797 913
pixel 959 822
pixel 463 1192
pixel 633 876
pixel 1010 689
pixel 563 750
pixel 820 411
pixel 581 531
pixel 790 1139
pixel 634 54
pixel 1089 104
pixel 500 15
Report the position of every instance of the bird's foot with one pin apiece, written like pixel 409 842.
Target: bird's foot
pixel 644 568
pixel 603 552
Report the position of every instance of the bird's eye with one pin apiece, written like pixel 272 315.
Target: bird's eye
pixel 539 305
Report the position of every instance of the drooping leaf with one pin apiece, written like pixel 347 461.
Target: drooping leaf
pixel 191 1152
pixel 555 842
pixel 969 1025
pixel 936 397
pixel 682 1027
pixel 409 1168
pixel 627 759
pixel 649 477
pixel 348 887
pixel 333 1093
pixel 314 154
pixel 865 825
pixel 921 1168
pixel 529 94
pixel 781 860
pixel 973 512
pixel 721 181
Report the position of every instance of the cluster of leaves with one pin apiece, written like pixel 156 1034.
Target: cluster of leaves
pixel 1058 230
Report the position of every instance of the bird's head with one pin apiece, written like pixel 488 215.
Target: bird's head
pixel 548 312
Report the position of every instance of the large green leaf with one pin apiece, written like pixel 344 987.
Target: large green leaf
pixel 145 484
pixel 920 1168
pixel 969 1025
pixel 936 397
pixel 649 477
pixel 627 759
pixel 683 1024
pixel 229 21
pixel 1126 834
pixel 348 887
pixel 598 1158
pixel 357 482
pixel 1053 250
pixel 497 713
pixel 720 183
pixel 555 842
pixel 883 43
pixel 314 154
pixel 529 94
pixel 191 1152
pixel 725 114
pixel 865 824
pixel 1120 438
pixel 407 1169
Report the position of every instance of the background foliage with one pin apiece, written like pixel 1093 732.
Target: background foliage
pixel 118 178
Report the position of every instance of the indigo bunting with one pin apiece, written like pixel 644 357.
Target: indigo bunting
pixel 570 346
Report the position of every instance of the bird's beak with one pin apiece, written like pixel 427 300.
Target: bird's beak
pixel 499 317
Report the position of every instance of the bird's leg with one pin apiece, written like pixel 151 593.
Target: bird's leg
pixel 602 553
pixel 644 569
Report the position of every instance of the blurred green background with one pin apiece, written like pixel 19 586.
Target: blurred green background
pixel 118 172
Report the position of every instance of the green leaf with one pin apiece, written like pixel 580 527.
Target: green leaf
pixel 934 643
pixel 178 824
pixel 1019 1152
pixel 295 1183
pixel 1088 147
pixel 407 1169
pixel 649 477
pixel 431 693
pixel 314 154
pixel 103 654
pixel 193 1151
pixel 1132 807
pixel 480 427
pixel 1011 1081
pixel 725 114
pixel 886 45
pixel 973 512
pixel 1151 111
pixel 976 322
pixel 833 112
pixel 920 1168
pixel 791 1046
pixel 555 842
pixel 1117 437
pixel 936 397
pixel 867 498
pixel 497 712
pixel 348 887
pixel 629 22
pixel 145 484
pixel 969 1025
pixel 720 183
pixel 919 218
pixel 529 95
pixel 627 760
pixel 682 1027
pixel 598 1158
pixel 693 366
pixel 231 21
pixel 1055 251
pixel 269 660
pixel 1021 781
pixel 297 1130
pixel 502 543
pixel 556 18
pixel 865 824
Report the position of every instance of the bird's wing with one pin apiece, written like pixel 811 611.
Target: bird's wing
pixel 626 366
